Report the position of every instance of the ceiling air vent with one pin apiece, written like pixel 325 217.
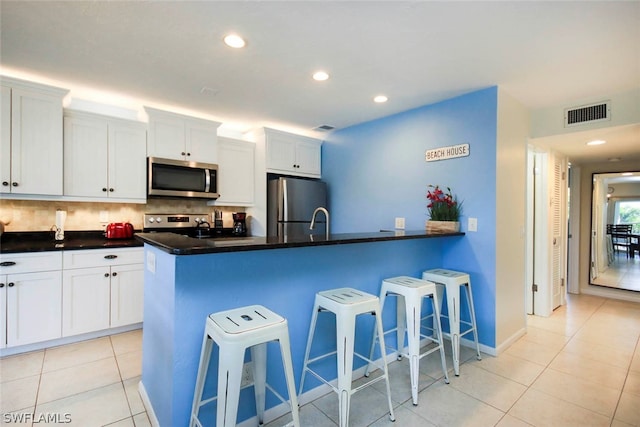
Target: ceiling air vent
pixel 587 114
pixel 324 128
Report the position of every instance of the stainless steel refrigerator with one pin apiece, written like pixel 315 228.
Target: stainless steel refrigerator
pixel 290 206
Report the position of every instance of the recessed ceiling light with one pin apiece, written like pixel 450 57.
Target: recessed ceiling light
pixel 380 99
pixel 597 142
pixel 320 76
pixel 627 173
pixel 235 41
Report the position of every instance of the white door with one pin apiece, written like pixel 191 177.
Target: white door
pixel 281 152
pixel 236 173
pixel 559 231
pixel 34 307
pixel 5 140
pixel 3 312
pixel 127 294
pixel 201 142
pixel 166 138
pixel 127 160
pixel 36 143
pixel 85 157
pixel 85 300
pixel 308 157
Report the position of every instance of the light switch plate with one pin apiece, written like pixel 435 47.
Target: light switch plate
pixel 400 223
pixel 472 225
pixel 151 262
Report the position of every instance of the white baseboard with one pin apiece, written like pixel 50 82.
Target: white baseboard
pixel 10 351
pixel 147 405
pixel 509 341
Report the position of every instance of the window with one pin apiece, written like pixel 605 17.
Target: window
pixel 628 212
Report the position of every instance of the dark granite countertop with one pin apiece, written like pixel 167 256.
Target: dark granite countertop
pixel 14 242
pixel 177 244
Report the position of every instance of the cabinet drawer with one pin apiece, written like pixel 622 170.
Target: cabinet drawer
pixel 102 257
pixel 30 262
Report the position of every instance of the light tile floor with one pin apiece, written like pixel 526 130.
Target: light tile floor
pixel 579 367
pixel 623 273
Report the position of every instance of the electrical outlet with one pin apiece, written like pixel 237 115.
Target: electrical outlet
pixel 247 374
pixel 104 216
pixel 400 223
pixel 472 225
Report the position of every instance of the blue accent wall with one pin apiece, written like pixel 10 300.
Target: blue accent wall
pixel 377 171
pixel 184 290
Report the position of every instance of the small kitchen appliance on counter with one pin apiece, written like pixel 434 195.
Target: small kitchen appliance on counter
pixel 119 230
pixel 240 224
pixel 61 217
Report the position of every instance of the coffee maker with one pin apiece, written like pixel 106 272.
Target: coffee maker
pixel 239 224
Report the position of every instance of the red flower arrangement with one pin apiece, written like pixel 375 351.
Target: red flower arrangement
pixel 443 206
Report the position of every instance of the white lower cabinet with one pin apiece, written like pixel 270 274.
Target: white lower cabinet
pixel 30 298
pixel 102 289
pixel 127 294
pixel 50 295
pixel 86 299
pixel 34 302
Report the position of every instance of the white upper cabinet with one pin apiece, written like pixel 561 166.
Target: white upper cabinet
pixel 178 137
pixel 31 145
pixel 292 154
pixel 104 157
pixel 236 172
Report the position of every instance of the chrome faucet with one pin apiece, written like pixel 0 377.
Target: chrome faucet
pixel 313 220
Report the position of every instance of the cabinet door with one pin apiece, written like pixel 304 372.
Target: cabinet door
pixel 127 160
pixel 308 157
pixel 36 143
pixel 166 138
pixel 3 312
pixel 5 140
pixel 34 307
pixel 127 294
pixel 236 171
pixel 281 152
pixel 201 141
pixel 85 300
pixel 85 157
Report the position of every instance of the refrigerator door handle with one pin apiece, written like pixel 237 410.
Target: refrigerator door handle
pixel 285 205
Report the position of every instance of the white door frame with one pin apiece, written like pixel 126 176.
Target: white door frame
pixel 573 244
pixel 529 230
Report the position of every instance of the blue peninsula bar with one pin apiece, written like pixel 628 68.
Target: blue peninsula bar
pixel 187 279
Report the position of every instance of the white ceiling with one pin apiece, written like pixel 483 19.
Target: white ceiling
pixel 543 53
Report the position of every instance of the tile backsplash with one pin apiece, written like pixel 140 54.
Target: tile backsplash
pixel 35 215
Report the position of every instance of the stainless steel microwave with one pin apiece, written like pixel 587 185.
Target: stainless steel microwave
pixel 180 178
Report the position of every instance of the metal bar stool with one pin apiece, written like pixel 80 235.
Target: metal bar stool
pixel 346 304
pixel 452 281
pixel 410 293
pixel 234 331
